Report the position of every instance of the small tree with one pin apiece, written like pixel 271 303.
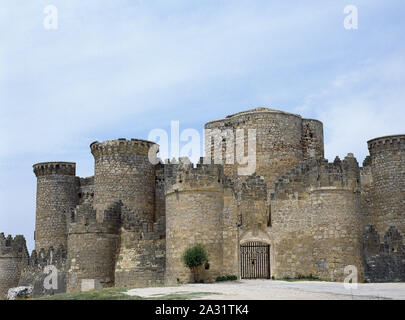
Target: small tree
pixel 194 258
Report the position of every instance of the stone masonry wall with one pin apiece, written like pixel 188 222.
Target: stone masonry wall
pixel 13 255
pixel 141 257
pixel 43 267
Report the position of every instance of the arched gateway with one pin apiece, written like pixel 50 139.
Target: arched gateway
pixel 255 260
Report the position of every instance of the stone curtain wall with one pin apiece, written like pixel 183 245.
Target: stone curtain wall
pixel 230 232
pixel 384 257
pixel 56 197
pixel 141 256
pixel 13 256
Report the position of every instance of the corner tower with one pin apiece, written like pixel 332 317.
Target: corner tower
pixel 56 197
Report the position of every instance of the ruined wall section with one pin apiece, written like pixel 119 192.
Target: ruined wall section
pixel 42 269
pixel 85 188
pixel 56 197
pixel 194 207
pixel 316 221
pixel 13 257
pixel 312 140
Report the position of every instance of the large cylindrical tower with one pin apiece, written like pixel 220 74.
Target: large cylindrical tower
pixel 194 206
pixel 388 179
pixel 56 197
pixel 282 141
pixel 122 171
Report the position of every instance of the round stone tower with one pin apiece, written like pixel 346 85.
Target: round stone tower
pixel 12 255
pixel 56 197
pixel 123 172
pixel 388 179
pixel 194 205
pixel 282 140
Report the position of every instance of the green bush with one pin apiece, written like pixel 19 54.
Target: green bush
pixel 194 258
pixel 226 278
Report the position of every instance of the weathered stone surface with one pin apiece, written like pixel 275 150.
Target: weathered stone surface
pixel 91 284
pixel 19 292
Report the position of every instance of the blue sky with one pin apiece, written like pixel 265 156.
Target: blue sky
pixel 122 68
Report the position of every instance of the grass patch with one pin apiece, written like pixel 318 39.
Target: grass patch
pixel 119 294
pixel 102 294
pixel 301 277
pixel 226 278
pixel 180 295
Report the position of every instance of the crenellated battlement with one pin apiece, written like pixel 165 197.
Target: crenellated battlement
pixel 13 247
pixel 181 175
pixel 50 168
pixel 122 146
pixel 43 258
pixel 386 144
pixel 315 174
pixel 84 219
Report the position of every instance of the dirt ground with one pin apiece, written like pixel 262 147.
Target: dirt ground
pixel 276 290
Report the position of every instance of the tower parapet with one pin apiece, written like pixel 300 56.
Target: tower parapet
pixel 13 257
pixel 386 144
pixel 56 196
pixel 48 168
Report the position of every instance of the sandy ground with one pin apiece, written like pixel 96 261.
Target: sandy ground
pixel 280 290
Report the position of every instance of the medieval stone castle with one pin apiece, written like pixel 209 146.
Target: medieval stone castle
pixel 297 214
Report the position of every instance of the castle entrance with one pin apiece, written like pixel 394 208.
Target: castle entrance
pixel 255 260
